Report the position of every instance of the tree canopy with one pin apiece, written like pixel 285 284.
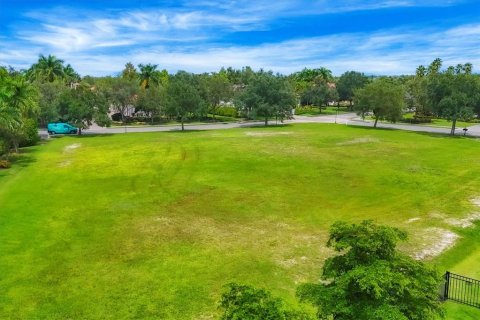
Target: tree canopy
pixel 382 97
pixel 267 96
pixel 370 279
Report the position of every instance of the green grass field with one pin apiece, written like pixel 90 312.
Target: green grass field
pixel 150 226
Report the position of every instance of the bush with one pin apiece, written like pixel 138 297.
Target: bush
pixel 4 164
pixel 306 110
pixel 227 112
pixel 117 116
pixel 249 303
pixel 30 133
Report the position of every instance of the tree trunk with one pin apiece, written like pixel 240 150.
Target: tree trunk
pixel 183 127
pixel 454 122
pixel 79 131
pixel 15 146
pixel 375 124
pixel 266 121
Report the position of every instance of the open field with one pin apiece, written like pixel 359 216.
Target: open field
pixel 151 225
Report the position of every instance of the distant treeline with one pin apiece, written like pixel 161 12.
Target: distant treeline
pixel 51 91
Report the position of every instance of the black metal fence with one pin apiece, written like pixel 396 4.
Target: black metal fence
pixel 462 289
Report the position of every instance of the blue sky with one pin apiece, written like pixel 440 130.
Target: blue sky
pixel 376 37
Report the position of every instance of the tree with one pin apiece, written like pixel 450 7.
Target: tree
pixel 183 97
pixel 70 75
pixel 121 94
pixel 267 95
pixel 152 101
pixel 129 73
pixel 148 74
pixel 47 69
pixel 48 101
pixel 319 94
pixel 370 279
pixel 453 94
pixel 348 83
pixel 83 106
pixel 18 109
pixel 218 89
pixel 383 97
pixel 242 302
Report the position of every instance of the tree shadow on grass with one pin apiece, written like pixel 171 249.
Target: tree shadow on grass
pixel 423 133
pixel 270 126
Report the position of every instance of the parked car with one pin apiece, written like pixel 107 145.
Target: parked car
pixel 61 128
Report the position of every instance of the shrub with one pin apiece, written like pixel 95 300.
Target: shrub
pixel 4 164
pixel 117 116
pixel 249 303
pixel 30 133
pixel 226 112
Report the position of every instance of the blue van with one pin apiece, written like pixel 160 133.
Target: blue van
pixel 61 128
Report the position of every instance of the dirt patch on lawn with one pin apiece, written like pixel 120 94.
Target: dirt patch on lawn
pixel 297 250
pixel 358 141
pixel 72 147
pixel 434 241
pixel 267 134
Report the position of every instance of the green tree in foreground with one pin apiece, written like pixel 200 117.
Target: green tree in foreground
pixel 242 302
pixel 383 97
pixel 370 279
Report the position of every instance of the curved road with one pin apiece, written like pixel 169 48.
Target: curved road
pixel 343 119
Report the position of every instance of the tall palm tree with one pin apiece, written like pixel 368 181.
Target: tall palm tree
pixel 148 74
pixel 47 69
pixel 70 75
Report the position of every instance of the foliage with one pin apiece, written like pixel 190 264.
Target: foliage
pixel 4 164
pixel 120 94
pixel 267 95
pixel 183 97
pixel 370 279
pixel 226 111
pixel 217 89
pixel 243 302
pixel 30 135
pixel 48 101
pixel 129 73
pixel 18 105
pixel 348 83
pixel 383 97
pixel 319 94
pixel 152 101
pixel 453 94
pixel 148 75
pixel 82 106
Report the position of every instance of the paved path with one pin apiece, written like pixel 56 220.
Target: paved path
pixel 342 119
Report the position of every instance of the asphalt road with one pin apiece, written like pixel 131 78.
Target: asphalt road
pixel 341 119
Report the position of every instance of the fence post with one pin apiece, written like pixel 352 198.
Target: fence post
pixel 447 283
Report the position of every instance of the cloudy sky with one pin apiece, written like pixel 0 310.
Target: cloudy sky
pixel 375 37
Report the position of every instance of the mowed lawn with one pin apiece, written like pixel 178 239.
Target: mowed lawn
pixel 151 225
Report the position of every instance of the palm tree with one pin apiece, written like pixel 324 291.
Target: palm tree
pixel 70 75
pixel 47 69
pixel 148 74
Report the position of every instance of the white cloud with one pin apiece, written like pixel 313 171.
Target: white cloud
pixel 185 38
